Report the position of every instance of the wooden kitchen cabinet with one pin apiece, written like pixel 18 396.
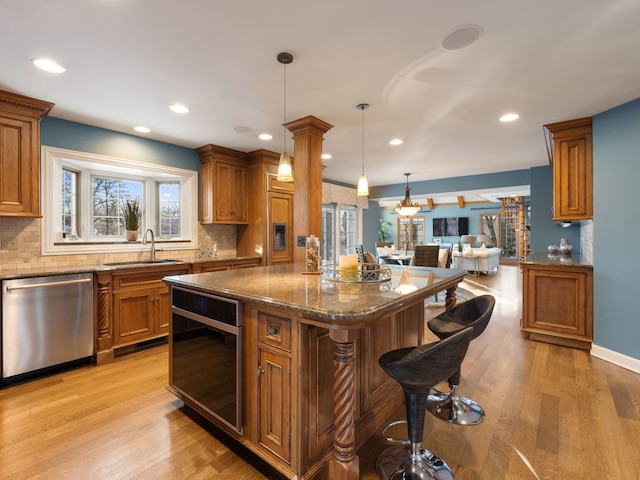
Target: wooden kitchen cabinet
pixel 572 161
pixel 221 265
pixel 271 204
pixel 557 303
pixel 20 154
pixel 269 416
pixel 141 304
pixel 223 186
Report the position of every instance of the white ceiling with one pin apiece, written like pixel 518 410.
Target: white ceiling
pixel 127 60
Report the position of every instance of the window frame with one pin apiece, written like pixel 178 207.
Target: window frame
pixel 54 159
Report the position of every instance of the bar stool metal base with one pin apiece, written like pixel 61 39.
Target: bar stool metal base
pixel 396 463
pixel 455 408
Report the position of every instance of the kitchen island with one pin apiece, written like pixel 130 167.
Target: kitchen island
pixel 311 391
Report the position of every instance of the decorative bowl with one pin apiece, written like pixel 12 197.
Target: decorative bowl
pixel 553 248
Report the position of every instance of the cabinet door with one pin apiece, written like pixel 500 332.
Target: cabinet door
pixel 572 169
pixel 206 191
pixel 230 193
pixel 163 309
pixel 274 398
pixel 18 169
pixel 133 315
pixel 558 302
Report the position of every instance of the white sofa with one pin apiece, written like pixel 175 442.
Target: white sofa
pixel 481 260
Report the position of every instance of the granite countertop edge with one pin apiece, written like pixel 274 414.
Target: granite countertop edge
pixel 124 266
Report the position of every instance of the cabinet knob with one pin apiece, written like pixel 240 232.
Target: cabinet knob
pixel 272 332
pixel 260 371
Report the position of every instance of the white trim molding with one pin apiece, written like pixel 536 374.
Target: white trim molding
pixel 616 358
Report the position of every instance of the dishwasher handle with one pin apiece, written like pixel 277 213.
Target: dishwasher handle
pixel 48 284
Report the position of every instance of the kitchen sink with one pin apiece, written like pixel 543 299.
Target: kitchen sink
pixel 141 262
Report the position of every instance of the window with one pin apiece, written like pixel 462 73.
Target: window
pixel 83 195
pixel 109 195
pixel 410 232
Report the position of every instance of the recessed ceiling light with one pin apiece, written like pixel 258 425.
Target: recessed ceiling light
pixel 326 156
pixel 179 108
pixel 48 65
pixel 509 117
pixel 265 136
pixel 395 141
pixel 141 129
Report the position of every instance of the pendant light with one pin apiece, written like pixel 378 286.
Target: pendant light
pixel 363 184
pixel 285 172
pixel 406 207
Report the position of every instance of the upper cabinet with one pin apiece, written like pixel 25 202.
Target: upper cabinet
pixel 223 186
pixel 572 159
pixel 20 154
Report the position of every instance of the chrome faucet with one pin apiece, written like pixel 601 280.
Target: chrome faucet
pixel 153 243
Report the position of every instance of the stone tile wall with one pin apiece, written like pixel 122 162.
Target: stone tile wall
pixel 20 248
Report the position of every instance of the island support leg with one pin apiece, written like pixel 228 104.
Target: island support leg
pixel 344 465
pixel 450 300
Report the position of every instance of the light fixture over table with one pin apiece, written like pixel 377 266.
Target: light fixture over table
pixel 363 184
pixel 285 172
pixel 406 207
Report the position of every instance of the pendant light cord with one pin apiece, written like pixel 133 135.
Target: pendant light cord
pixel 284 109
pixel 363 108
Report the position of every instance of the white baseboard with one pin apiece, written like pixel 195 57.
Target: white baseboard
pixel 616 358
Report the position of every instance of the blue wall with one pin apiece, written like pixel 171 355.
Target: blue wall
pixel 454 184
pixel 59 133
pixel 544 231
pixel 616 170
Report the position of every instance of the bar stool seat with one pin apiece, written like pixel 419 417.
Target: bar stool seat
pixel 450 406
pixel 418 370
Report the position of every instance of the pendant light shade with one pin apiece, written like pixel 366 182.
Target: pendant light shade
pixel 406 207
pixel 285 172
pixel 363 184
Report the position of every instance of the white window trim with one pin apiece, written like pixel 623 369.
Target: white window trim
pixel 52 159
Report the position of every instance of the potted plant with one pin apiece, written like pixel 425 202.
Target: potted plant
pixel 131 213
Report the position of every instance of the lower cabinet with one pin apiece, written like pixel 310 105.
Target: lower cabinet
pixel 557 304
pixel 274 383
pixel 220 265
pixel 141 305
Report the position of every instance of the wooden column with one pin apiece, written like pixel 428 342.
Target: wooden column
pixel 344 464
pixel 307 173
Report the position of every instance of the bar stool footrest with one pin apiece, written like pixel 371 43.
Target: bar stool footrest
pixel 396 463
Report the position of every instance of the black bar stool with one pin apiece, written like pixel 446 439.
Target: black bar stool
pixel 418 370
pixel 450 406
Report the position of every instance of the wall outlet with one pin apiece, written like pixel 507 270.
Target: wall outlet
pixel 9 244
pixel 302 240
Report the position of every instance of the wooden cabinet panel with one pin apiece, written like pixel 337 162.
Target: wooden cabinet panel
pixel 572 146
pixel 280 211
pixel 230 193
pixel 133 318
pixel 20 154
pixel 275 403
pixel 557 304
pixel 223 186
pixel 142 304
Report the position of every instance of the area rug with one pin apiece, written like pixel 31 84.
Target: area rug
pixel 437 301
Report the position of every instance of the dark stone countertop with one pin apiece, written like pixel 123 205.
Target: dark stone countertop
pixel 336 303
pixel 555 260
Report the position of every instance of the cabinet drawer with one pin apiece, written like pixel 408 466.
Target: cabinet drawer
pixel 274 331
pixel 145 278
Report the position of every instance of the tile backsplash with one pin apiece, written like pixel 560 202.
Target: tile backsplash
pixel 20 250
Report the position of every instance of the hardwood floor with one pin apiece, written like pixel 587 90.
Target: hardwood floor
pixel 564 413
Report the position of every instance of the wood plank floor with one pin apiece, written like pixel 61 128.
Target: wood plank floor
pixel 552 413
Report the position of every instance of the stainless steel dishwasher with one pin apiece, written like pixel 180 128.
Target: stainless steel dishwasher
pixel 46 322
